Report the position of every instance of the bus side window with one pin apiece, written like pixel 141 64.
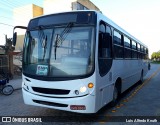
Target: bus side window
pixel 104 49
pixel 104 41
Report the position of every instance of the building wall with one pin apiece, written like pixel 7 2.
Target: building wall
pixel 22 15
pixel 55 6
pixel 2 51
pixel 88 4
pixel 37 11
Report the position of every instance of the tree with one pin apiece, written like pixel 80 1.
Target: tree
pixel 158 56
pixel 155 56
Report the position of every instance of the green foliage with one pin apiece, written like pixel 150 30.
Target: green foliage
pixel 155 62
pixel 155 55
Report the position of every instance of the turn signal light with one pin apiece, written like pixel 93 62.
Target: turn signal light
pixel 90 85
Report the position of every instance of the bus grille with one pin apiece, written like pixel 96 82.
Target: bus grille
pixel 51 91
pixel 50 103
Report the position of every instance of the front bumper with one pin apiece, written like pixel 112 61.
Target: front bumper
pixel 60 103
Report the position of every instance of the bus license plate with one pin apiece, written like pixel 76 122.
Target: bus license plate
pixel 78 107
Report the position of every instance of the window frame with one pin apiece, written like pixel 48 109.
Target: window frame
pixel 105 31
pixel 120 34
pixel 134 48
pixel 138 47
pixel 119 46
pixel 105 63
pixel 129 42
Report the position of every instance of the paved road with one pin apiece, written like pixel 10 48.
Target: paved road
pixel 141 100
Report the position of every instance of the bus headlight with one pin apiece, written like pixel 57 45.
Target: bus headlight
pixel 83 89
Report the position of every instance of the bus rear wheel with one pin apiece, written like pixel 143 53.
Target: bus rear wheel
pixel 141 78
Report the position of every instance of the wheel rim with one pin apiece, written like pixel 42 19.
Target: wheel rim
pixel 7 90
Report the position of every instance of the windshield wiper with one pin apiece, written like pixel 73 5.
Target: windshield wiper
pixel 60 38
pixel 45 46
pixel 41 34
pixel 42 39
pixel 55 49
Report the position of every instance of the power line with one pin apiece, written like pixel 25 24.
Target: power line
pixel 17 3
pixel 9 18
pixel 11 6
pixel 6 24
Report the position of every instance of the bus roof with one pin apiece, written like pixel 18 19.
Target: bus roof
pixel 104 18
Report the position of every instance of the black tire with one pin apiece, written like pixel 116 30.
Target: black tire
pixel 115 97
pixel 141 78
pixel 7 90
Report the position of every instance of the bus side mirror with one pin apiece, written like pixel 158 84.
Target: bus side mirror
pixel 14 39
pixel 15 34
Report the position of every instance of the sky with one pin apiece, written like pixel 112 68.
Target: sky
pixel 140 18
pixel 6 16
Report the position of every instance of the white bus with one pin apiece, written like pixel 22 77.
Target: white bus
pixel 79 61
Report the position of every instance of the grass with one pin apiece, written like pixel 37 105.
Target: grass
pixel 156 62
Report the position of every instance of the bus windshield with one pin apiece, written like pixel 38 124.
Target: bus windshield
pixel 59 51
